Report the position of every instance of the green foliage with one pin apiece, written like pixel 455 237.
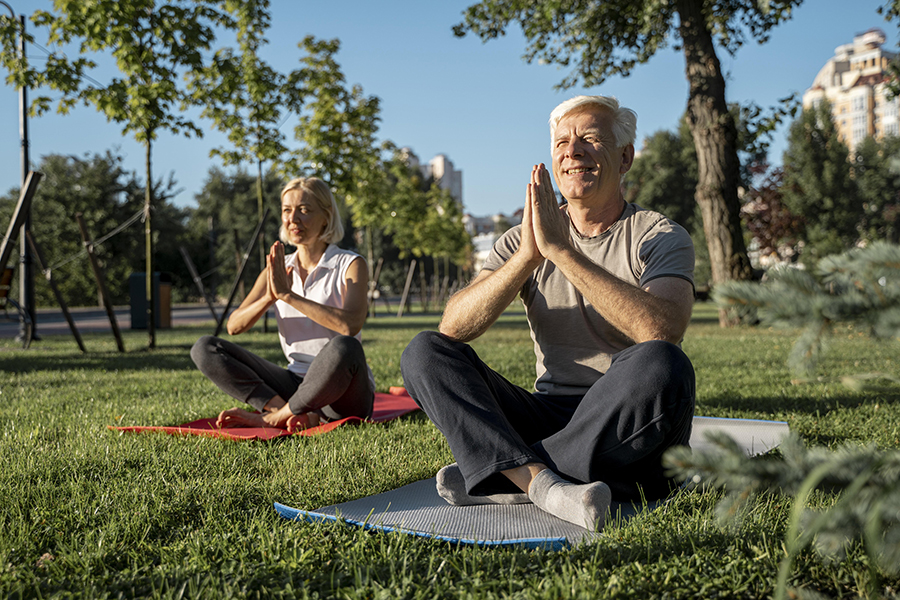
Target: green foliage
pixel 818 184
pixel 860 286
pixel 337 124
pixel 152 45
pixel 108 197
pixel 664 177
pixel 225 205
pixel 876 172
pixel 604 39
pixel 756 126
pixel 242 94
pixel 867 508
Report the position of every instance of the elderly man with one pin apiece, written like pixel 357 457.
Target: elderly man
pixel 608 290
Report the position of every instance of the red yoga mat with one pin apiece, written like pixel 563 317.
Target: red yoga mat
pixel 386 408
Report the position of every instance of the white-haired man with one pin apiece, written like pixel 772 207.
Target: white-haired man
pixel 608 290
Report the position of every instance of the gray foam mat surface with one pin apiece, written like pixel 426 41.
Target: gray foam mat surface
pixel 417 508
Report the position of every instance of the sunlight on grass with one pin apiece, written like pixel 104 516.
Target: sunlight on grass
pixel 89 512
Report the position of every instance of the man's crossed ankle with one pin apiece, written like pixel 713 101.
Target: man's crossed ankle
pixel 585 505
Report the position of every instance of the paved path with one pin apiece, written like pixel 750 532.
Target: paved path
pixel 50 321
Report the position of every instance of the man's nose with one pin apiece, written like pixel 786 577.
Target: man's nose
pixel 574 148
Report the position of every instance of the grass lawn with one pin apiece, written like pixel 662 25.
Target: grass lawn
pixel 90 513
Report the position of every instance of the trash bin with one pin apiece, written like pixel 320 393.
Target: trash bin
pixel 137 290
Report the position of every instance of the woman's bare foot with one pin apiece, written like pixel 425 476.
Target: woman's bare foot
pixel 302 421
pixel 238 417
pixel 274 404
pixel 282 419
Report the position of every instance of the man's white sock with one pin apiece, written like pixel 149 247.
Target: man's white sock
pixel 582 504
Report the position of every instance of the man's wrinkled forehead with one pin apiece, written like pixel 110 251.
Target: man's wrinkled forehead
pixel 600 124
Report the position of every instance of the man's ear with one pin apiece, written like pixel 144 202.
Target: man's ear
pixel 627 159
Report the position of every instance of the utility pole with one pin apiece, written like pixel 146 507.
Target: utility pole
pixel 26 272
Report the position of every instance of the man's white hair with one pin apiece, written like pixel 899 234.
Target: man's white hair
pixel 624 126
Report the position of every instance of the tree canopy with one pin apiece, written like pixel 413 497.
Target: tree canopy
pixel 155 46
pixel 818 184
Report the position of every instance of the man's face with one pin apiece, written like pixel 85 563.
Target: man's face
pixel 586 163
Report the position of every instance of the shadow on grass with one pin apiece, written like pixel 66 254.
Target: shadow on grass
pixel 798 404
pixel 175 357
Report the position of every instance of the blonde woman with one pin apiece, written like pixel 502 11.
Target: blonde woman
pixel 319 295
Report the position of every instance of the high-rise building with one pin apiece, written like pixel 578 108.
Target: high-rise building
pixel 447 177
pixel 440 168
pixel 854 82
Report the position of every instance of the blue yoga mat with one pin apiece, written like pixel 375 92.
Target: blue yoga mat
pixel 417 509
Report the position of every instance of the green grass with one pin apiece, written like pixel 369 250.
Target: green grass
pixel 86 512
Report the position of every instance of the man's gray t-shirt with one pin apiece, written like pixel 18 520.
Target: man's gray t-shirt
pixel 573 344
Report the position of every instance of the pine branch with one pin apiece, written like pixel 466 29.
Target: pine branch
pixel 861 286
pixel 859 487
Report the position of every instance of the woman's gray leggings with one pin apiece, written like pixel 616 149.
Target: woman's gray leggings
pixel 336 386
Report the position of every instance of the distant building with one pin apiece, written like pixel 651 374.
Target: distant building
pixel 854 82
pixel 485 231
pixel 440 168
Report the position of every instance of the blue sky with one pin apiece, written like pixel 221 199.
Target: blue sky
pixel 480 104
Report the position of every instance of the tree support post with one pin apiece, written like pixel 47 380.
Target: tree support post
pixel 19 215
pixel 373 286
pixel 101 281
pixel 409 277
pixel 39 259
pixel 198 281
pixel 240 273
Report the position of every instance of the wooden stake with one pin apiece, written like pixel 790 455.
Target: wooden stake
pixel 240 273
pixel 19 215
pixel 49 276
pixel 198 281
pixel 101 281
pixel 409 276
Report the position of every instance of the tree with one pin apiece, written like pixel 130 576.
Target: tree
pixel 245 97
pixel 337 125
pixel 861 287
pixel 110 199
pixel 776 230
pixel 609 38
pixel 442 233
pixel 154 44
pixel 664 177
pixel 818 184
pixel 225 209
pixel 876 171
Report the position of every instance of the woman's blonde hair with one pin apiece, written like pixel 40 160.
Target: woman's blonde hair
pixel 319 190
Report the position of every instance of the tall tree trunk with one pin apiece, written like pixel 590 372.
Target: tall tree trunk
pixel 715 138
pixel 148 246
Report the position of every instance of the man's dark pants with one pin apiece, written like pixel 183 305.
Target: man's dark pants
pixel 616 433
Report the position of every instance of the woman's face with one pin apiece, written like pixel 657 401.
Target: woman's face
pixel 302 218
